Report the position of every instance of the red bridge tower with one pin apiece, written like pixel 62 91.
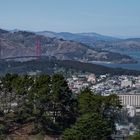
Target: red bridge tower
pixel 38 48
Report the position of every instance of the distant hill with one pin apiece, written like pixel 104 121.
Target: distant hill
pixel 80 37
pixel 22 43
pixel 131 44
pixel 98 41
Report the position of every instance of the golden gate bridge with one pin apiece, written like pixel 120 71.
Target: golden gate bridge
pixel 37 47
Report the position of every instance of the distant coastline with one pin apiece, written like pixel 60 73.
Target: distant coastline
pixel 101 62
pixel 131 66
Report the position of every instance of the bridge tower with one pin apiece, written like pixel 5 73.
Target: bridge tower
pixel 0 49
pixel 38 48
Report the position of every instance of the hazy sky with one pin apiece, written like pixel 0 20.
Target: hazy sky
pixel 111 17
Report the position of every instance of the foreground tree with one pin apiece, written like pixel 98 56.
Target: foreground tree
pixel 97 116
pixel 62 106
pixel 107 107
pixel 136 135
pixel 48 103
pixel 88 127
pixel 22 86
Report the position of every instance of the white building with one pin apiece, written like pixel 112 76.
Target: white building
pixel 91 78
pixel 131 110
pixel 130 99
pixel 126 83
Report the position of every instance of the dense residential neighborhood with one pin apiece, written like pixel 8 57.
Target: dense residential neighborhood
pixel 106 84
pixel 126 87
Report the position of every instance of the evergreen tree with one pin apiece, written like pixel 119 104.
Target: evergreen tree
pixel 62 104
pixel 88 127
pixel 97 117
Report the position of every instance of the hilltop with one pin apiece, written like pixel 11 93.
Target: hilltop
pixel 22 43
pixel 98 41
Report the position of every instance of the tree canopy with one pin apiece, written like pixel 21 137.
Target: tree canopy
pixel 47 102
pixel 97 117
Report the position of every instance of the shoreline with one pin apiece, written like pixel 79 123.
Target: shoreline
pixel 130 66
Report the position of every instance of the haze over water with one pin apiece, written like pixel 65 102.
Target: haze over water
pixel 134 54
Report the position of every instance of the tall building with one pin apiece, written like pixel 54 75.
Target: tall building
pixel 130 99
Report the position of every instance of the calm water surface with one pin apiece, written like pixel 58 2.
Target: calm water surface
pixel 126 66
pixel 134 54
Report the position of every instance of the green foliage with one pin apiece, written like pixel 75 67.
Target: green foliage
pixel 49 66
pixel 97 117
pixel 48 103
pixel 87 102
pixel 136 135
pixel 88 127
pixel 62 106
pixel 45 100
pixel 106 106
